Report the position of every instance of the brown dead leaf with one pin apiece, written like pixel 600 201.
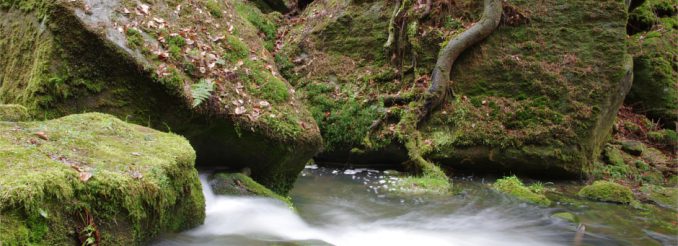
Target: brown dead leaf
pixel 84 176
pixel 42 135
pixel 240 110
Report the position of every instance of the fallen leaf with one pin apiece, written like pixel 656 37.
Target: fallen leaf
pixel 240 110
pixel 84 176
pixel 136 175
pixel 42 135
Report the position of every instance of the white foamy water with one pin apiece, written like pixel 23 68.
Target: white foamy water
pixel 355 221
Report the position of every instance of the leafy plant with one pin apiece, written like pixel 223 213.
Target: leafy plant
pixel 201 91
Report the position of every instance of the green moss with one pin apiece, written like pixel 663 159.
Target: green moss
pixel 614 156
pixel 134 38
pixel 13 112
pixel 343 123
pixel 258 19
pixel 665 136
pixel 237 49
pixel 142 181
pixel 424 185
pixel 240 184
pixel 606 191
pixel 654 90
pixel 662 196
pixel 285 125
pixel 566 216
pixel 633 147
pixel 214 8
pixel 176 43
pixel 514 187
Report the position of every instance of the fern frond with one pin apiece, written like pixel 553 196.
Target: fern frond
pixel 201 91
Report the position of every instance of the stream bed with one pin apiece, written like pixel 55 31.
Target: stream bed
pixel 359 207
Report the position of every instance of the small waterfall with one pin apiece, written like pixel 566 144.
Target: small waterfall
pixel 235 220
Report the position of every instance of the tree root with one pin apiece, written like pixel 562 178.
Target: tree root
pixel 440 80
pixel 431 178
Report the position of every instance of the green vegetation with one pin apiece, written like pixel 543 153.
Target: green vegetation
pixel 201 91
pixel 214 7
pixel 237 49
pixel 241 184
pixel 654 92
pixel 13 112
pixel 133 181
pixel 514 187
pixel 259 20
pixel 566 216
pixel 606 191
pixel 134 38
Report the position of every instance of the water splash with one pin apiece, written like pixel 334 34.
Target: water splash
pixel 336 219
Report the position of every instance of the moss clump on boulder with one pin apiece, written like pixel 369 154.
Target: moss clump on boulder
pixel 614 156
pixel 606 191
pixel 523 96
pixel 653 45
pixel 514 187
pixel 88 174
pixel 215 84
pixel 663 196
pixel 566 216
pixel 13 112
pixel 241 185
pixel 633 147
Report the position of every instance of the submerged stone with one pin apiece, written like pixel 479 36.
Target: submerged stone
pixel 606 191
pixel 238 184
pixel 93 177
pixel 566 216
pixel 514 187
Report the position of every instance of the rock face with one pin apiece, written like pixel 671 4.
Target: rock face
pixel 201 69
pixel 94 177
pixel 538 96
pixel 655 50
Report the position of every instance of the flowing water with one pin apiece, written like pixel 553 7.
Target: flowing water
pixel 357 207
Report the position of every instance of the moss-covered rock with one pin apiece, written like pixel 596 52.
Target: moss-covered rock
pixel 514 187
pixel 566 216
pixel 241 185
pixel 537 96
pixel 606 191
pixel 663 196
pixel 203 70
pixel 633 147
pixel 72 178
pixel 653 45
pixel 13 112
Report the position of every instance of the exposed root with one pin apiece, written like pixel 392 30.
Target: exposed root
pixel 391 24
pixel 431 178
pixel 440 80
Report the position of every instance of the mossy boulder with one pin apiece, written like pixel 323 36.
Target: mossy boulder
pixel 514 187
pixel 566 216
pixel 606 191
pixel 13 112
pixel 539 95
pixel 238 184
pixel 654 48
pixel 203 70
pixel 92 176
pixel 633 147
pixel 663 196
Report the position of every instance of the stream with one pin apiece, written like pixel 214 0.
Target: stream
pixel 357 207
